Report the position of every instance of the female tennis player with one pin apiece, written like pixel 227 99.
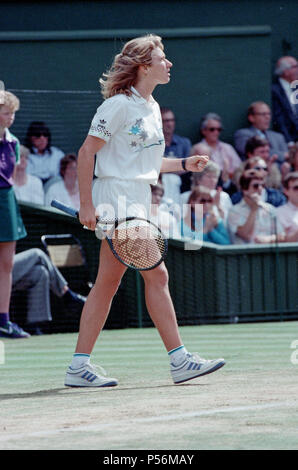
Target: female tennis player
pixel 126 136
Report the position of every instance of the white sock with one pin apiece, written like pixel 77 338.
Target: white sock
pixel 79 360
pixel 177 355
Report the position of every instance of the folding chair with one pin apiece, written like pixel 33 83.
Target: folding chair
pixel 67 254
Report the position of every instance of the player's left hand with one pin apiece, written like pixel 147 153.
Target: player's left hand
pixel 196 163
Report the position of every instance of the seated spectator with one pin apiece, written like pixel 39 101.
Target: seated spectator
pixel 271 195
pixel 44 158
pixel 67 189
pixel 27 188
pixel 209 179
pixel 176 146
pixel 292 163
pixel 160 216
pixel 207 225
pixel 259 118
pixel 288 213
pixel 252 220
pixel 34 273
pixel 223 154
pixel 258 147
pixel 284 110
pixel 171 184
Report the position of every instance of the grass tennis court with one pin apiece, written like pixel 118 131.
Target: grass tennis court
pixel 251 403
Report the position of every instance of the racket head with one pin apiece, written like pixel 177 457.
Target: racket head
pixel 138 243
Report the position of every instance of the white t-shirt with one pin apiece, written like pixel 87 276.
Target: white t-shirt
pixel 31 191
pixel 58 191
pixel 287 215
pixel 45 166
pixel 266 222
pixel 132 129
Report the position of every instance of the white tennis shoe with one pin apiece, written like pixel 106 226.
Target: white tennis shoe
pixel 88 376
pixel 194 366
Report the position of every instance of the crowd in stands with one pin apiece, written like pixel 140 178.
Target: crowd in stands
pixel 247 190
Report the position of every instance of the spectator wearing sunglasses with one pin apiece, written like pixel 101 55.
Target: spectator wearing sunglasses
pixel 223 154
pixel 252 220
pixel 209 178
pixel 202 221
pixel 257 146
pixel 44 158
pixel 270 195
pixel 288 213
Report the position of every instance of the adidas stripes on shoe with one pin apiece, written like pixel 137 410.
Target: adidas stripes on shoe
pixel 194 366
pixel 88 376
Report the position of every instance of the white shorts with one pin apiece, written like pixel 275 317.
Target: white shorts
pixel 115 198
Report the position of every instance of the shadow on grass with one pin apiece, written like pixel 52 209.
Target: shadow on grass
pixel 79 390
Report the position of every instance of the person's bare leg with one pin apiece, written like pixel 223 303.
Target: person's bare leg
pixel 7 251
pixel 160 306
pixel 98 303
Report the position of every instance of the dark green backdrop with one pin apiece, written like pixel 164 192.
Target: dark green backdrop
pixel 223 54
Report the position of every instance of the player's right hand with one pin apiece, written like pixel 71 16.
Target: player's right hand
pixel 87 216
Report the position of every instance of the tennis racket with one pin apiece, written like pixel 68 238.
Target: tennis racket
pixel 136 242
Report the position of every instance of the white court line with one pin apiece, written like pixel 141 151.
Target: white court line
pixel 153 419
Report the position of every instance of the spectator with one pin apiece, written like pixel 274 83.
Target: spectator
pixel 252 220
pixel 285 111
pixel 258 147
pixel 288 213
pixel 221 153
pixel 161 217
pixel 44 158
pixel 34 273
pixel 259 117
pixel 209 179
pixel 12 227
pixel 67 188
pixel 27 188
pixel 292 163
pixel 206 225
pixel 271 195
pixel 176 146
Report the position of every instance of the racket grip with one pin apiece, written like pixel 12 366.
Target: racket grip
pixel 67 209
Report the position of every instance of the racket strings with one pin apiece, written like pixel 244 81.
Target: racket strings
pixel 139 246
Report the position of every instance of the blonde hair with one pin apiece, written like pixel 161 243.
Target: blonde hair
pixel 10 100
pixel 123 72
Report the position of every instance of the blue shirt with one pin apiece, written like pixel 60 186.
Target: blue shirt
pixel 219 235
pixel 179 148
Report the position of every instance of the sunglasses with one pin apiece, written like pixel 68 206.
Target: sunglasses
pixel 264 168
pixel 258 185
pixel 213 129
pixel 204 201
pixel 295 188
pixel 39 134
